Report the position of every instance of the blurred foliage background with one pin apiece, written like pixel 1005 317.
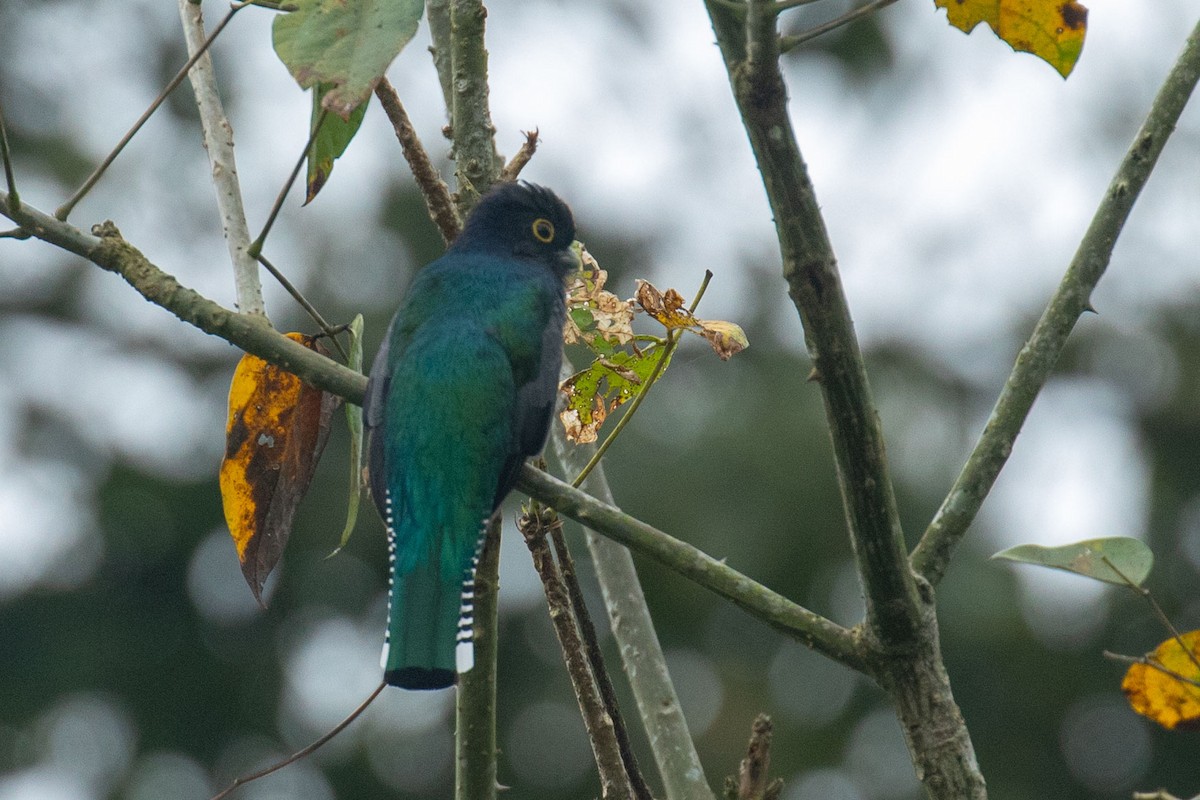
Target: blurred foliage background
pixel 133 661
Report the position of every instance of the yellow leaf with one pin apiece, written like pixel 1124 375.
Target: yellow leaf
pixel 276 431
pixel 1052 30
pixel 1171 700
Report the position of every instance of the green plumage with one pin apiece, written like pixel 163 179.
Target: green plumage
pixel 461 393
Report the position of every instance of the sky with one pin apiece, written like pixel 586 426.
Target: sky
pixel 954 189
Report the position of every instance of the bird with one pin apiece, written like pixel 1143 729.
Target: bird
pixel 461 392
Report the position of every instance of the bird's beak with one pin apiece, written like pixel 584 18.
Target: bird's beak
pixel 571 260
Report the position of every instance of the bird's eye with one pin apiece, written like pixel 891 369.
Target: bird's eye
pixel 543 230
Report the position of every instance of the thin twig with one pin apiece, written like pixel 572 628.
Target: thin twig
pixel 65 209
pixel 659 366
pixel 329 330
pixel 1038 357
pixel 512 169
pixel 753 781
pixel 780 6
pixel 587 632
pixel 787 43
pixel 299 754
pixel 429 181
pixel 257 245
pixel 218 142
pixel 1163 619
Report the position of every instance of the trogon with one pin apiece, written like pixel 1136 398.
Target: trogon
pixel 461 392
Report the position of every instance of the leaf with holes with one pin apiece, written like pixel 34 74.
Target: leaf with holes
pixel 1052 30
pixel 345 45
pixel 598 390
pixel 277 429
pixel 1167 687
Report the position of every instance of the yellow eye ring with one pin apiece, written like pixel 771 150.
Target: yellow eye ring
pixel 543 230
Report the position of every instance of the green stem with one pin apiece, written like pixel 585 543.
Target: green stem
pixel 253 335
pixel 671 744
pixel 438 14
pixel 771 607
pixel 635 404
pixel 475 701
pixel 1037 358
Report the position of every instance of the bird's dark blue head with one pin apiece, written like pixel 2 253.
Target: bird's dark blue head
pixel 522 220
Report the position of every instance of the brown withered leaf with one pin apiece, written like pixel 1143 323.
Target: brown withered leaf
pixel 666 307
pixel 727 338
pixel 596 312
pixel 277 429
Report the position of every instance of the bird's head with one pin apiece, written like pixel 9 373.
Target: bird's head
pixel 524 220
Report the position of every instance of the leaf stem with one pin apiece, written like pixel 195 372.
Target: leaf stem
pixel 669 348
pixel 65 209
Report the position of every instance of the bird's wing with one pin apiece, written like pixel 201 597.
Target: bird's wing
pixel 534 408
pixel 447 436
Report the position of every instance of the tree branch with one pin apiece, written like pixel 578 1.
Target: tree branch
pixel 771 607
pixel 218 141
pixel 614 780
pixel 809 266
pixel 1039 355
pixel 632 627
pixel 474 135
pixel 905 656
pixel 253 335
pixel 433 188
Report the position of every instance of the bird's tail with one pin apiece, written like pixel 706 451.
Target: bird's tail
pixel 430 626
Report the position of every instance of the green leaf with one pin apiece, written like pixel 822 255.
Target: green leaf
pixel 606 384
pixel 331 140
pixel 348 45
pixel 1119 559
pixel 354 421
